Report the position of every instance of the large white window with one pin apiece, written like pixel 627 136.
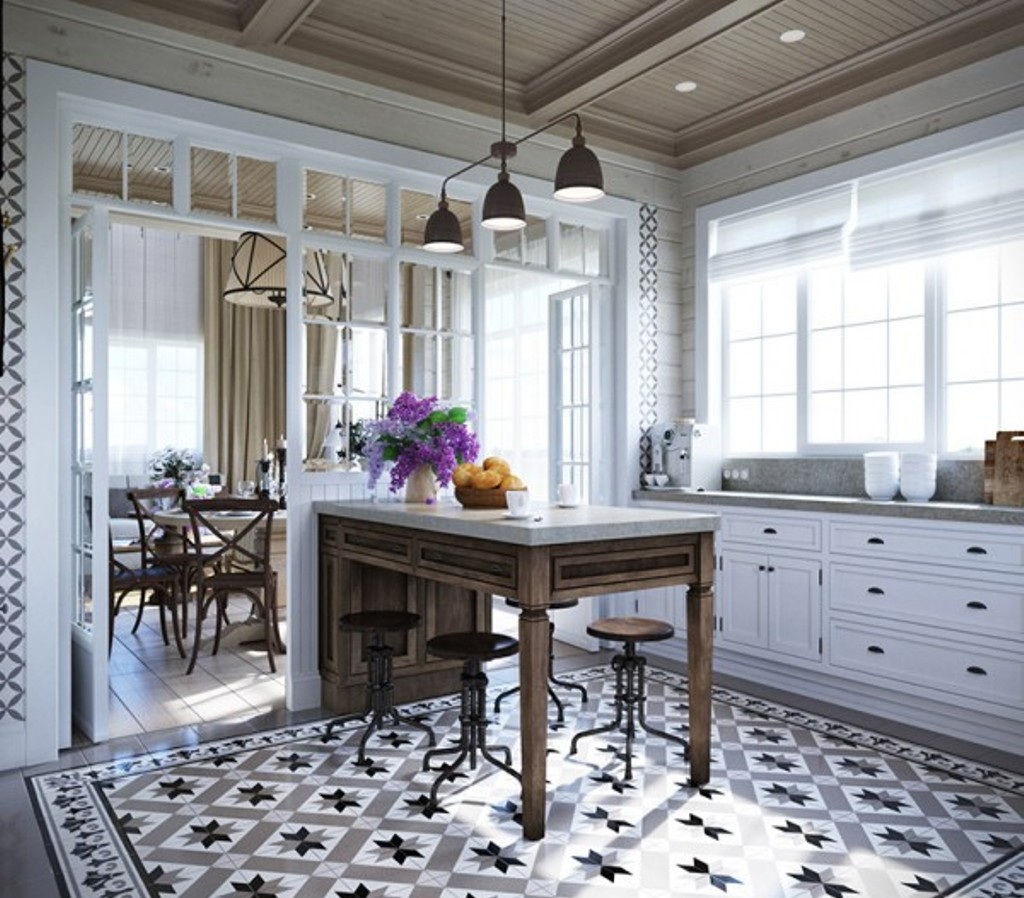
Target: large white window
pixel 885 311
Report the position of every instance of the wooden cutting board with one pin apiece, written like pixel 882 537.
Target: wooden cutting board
pixel 1008 468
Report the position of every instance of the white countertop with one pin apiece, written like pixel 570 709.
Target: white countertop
pixel 548 524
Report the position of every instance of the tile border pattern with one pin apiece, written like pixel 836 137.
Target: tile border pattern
pixel 648 336
pixel 12 404
pixel 241 816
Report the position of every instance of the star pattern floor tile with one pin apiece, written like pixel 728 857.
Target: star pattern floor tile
pixel 798 806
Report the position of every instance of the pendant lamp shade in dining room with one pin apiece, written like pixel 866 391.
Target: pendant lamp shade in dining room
pixel 257 274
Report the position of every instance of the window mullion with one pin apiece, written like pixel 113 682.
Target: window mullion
pixel 803 343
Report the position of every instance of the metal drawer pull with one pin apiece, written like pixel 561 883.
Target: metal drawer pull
pixel 976 550
pixel 876 650
pixel 761 567
pixel 876 591
pixel 974 669
pixel 771 531
pixel 981 606
pixel 770 569
pixel 876 541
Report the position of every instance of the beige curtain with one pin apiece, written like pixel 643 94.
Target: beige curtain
pixel 245 367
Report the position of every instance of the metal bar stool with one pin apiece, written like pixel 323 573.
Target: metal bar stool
pixel 380 687
pixel 552 679
pixel 472 648
pixel 630 680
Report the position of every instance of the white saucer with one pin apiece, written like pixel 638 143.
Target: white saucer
pixel 568 504
pixel 518 517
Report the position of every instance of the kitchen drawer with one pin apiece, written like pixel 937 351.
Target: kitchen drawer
pixel 485 569
pixel 964 603
pixel 951 667
pixel 963 547
pixel 772 531
pixel 375 545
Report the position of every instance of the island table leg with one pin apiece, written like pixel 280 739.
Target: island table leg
pixel 533 710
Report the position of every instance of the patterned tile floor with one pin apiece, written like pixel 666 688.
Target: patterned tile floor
pixel 798 806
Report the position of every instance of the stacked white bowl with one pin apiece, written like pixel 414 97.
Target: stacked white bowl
pixel 881 474
pixel 917 476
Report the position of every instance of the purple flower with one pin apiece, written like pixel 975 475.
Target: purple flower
pixel 418 432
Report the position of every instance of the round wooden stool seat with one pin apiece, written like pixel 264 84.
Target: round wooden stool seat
pixel 473 646
pixel 554 606
pixel 380 621
pixel 631 629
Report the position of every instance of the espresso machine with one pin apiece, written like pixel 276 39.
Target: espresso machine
pixel 685 456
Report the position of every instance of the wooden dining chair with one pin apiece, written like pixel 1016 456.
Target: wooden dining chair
pixel 238 564
pixel 147 574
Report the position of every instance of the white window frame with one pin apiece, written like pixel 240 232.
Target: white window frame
pixel 709 353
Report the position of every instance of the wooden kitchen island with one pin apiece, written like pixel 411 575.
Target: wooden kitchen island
pixel 444 562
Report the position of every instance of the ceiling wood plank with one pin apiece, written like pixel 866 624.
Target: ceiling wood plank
pixel 633 50
pixel 266 22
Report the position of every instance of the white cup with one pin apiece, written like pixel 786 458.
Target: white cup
pixel 568 495
pixel 246 488
pixel 518 502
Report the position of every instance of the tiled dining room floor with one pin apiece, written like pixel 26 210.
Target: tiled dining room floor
pixel 155 706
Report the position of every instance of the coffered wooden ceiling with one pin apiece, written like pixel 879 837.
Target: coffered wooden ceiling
pixel 618 61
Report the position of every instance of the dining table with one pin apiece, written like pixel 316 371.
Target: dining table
pixel 553 554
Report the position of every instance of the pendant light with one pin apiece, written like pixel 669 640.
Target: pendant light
pixel 578 179
pixel 257 275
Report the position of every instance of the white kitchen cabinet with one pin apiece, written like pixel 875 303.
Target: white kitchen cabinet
pixel 770 602
pixel 918 618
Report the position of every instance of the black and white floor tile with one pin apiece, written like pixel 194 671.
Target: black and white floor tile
pixel 797 807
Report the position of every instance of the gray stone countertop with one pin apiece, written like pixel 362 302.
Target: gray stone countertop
pixel 546 525
pixel 926 511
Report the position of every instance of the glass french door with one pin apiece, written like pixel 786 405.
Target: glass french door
pixel 88 510
pixel 577 424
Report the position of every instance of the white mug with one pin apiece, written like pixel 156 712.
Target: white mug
pixel 568 494
pixel 518 502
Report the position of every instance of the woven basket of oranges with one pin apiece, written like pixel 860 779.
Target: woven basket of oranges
pixel 485 485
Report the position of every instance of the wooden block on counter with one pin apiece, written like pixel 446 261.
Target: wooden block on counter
pixel 1008 474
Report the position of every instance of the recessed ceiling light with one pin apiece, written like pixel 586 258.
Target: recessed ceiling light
pixel 685 87
pixel 310 195
pixel 422 216
pixel 162 169
pixel 793 36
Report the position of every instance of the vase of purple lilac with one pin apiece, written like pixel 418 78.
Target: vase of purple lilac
pixel 423 442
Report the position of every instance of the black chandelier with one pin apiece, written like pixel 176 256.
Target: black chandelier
pixel 578 179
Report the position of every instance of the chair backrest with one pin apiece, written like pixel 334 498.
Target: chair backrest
pixel 145 500
pixel 231 523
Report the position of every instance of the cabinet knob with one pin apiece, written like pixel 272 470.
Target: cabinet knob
pixel 876 591
pixel 980 606
pixel 761 567
pixel 770 568
pixel 980 671
pixel 876 650
pixel 876 541
pixel 976 550
pixel 771 531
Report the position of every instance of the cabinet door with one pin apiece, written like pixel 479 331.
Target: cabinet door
pixel 743 598
pixel 794 607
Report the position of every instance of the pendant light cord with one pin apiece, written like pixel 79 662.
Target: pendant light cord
pixel 503 137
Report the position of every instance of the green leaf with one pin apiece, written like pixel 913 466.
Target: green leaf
pixel 457 414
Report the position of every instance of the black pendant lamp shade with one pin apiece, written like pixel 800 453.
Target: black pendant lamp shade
pixel 503 205
pixel 443 233
pixel 579 178
pixel 257 275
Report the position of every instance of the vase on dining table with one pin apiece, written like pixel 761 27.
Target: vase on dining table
pixel 421 485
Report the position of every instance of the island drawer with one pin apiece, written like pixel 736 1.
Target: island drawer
pixel 956 668
pixel 481 567
pixel 959 546
pixel 368 543
pixel 767 531
pixel 964 603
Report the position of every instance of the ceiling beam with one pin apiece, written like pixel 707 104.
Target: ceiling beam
pixel 265 22
pixel 631 51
